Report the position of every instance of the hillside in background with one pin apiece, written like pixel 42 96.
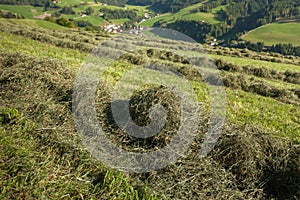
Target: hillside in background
pixel 275 33
pixel 215 22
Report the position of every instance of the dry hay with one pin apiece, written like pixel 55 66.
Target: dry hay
pixel 40 88
pixel 260 161
pixel 263 72
pixel 194 179
pixel 140 104
pixel 240 81
pixel 247 163
pixel 163 60
pixel 138 57
pixel 261 87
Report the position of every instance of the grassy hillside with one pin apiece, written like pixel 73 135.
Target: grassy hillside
pixel 259 63
pixel 42 155
pixel 185 14
pixel 36 23
pixel 275 33
pixel 72 2
pixel 94 18
pixel 26 11
pixel 78 6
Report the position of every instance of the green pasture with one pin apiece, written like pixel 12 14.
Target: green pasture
pixel 275 33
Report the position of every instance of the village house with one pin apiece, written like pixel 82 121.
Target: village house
pixel 112 28
pixel 42 16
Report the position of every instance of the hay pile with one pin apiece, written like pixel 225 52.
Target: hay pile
pixel 261 87
pixel 260 161
pixel 140 104
pixel 194 179
pixel 247 163
pixel 41 88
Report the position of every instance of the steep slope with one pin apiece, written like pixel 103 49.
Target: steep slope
pixel 256 156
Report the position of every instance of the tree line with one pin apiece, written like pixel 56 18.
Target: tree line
pixel 286 49
pixel 207 7
pixel 39 3
pixel 239 14
pixel 163 6
pixel 119 14
pixel 120 3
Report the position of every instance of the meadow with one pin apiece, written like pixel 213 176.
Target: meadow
pixel 37 23
pixel 256 155
pixel 185 14
pixel 79 7
pixel 260 63
pixel 26 11
pixel 275 33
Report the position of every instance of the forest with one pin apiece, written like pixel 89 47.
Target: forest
pixel 119 14
pixel 165 5
pixel 40 3
pixel 238 18
pixel 286 49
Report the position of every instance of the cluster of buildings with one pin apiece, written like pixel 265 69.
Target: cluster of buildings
pixel 42 16
pixel 113 28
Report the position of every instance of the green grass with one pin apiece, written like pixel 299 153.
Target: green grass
pixel 30 11
pixel 141 10
pixel 120 21
pixel 13 43
pixel 259 63
pixel 72 2
pixel 279 84
pixel 36 23
pixel 152 21
pixel 26 11
pixel 258 111
pixel 96 7
pixel 93 19
pixel 49 25
pixel 184 14
pixel 275 33
pixel 29 171
pixel 208 17
pixel 217 9
pixel 268 114
pixel 46 164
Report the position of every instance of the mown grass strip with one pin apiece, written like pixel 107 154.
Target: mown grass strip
pixel 13 43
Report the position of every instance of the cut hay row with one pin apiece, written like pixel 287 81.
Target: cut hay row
pixel 41 152
pixel 288 76
pixel 72 40
pixel 85 41
pixel 75 35
pixel 247 163
pixel 261 87
pixel 248 54
pixel 57 166
pixel 233 52
pixel 232 81
pixel 46 159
